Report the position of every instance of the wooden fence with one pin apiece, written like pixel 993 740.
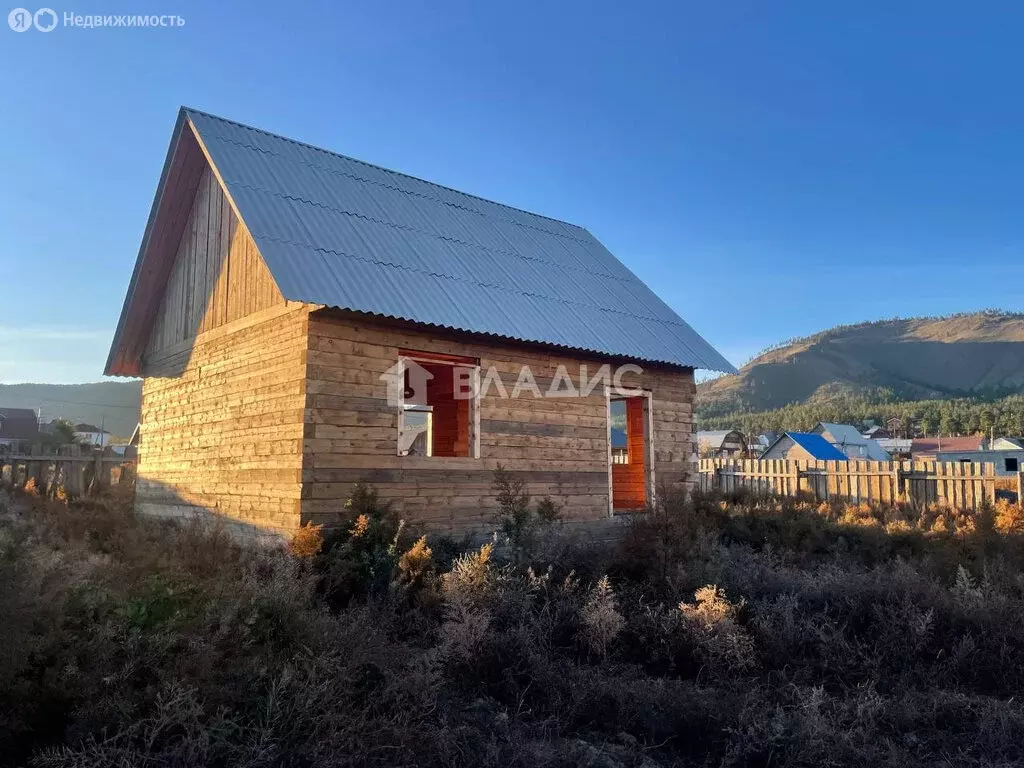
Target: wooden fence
pixel 79 470
pixel 954 484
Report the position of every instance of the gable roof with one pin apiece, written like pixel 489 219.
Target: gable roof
pixel 841 433
pixel 18 423
pixel 847 434
pixel 342 233
pixel 92 428
pixel 931 445
pixel 1007 443
pixel 18 413
pixel 816 445
pixel 714 438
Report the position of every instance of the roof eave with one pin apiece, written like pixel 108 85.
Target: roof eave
pixel 499 338
pixel 117 364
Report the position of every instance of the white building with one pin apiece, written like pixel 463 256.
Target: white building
pixel 89 434
pixel 1007 462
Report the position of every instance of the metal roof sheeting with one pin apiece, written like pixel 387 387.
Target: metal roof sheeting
pixel 852 443
pixel 347 234
pixel 816 445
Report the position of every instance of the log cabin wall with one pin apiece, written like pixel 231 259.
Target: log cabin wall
pixel 224 381
pixel 559 446
pixel 222 431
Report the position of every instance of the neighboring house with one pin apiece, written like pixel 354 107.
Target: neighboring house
pixel 803 446
pixel 1007 462
pixel 762 442
pixel 620 449
pixel 852 443
pixel 875 432
pixel 18 425
pixel 1007 444
pixel 90 434
pixel 897 448
pixel 721 444
pixel 926 448
pixel 281 291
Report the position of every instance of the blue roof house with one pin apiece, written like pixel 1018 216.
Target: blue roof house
pixel 303 321
pixel 803 446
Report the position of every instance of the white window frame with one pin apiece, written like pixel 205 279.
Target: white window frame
pixel 427 409
pixel 474 407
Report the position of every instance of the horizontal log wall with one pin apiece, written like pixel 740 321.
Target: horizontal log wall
pixel 222 423
pixel 559 446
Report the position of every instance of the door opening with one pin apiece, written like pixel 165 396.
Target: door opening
pixel 629 452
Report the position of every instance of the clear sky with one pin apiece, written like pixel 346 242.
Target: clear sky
pixel 770 169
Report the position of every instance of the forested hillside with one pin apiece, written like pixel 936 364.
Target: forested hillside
pixel 955 375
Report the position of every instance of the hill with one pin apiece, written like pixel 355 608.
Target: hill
pixel 968 355
pixel 115 404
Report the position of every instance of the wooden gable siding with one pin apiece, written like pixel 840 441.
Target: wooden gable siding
pixel 558 446
pixel 218 274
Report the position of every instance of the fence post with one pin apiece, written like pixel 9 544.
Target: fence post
pixel 97 473
pixel 1020 487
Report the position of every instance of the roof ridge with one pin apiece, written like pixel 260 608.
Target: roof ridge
pixel 412 193
pixel 382 168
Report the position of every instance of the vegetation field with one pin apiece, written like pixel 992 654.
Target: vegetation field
pixel 714 632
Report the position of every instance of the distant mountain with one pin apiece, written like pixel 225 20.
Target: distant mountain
pixel 113 404
pixel 979 354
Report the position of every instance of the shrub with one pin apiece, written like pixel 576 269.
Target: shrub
pixel 602 622
pixel 307 541
pixel 1008 517
pixel 472 577
pixel 417 561
pixel 360 555
pixel 712 624
pixel 520 522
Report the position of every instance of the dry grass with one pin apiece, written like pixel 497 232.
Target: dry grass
pixel 726 632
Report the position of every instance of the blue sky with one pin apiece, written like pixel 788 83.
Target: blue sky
pixel 769 171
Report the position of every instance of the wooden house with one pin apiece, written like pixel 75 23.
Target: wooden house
pixel 722 443
pixel 303 321
pixel 803 446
